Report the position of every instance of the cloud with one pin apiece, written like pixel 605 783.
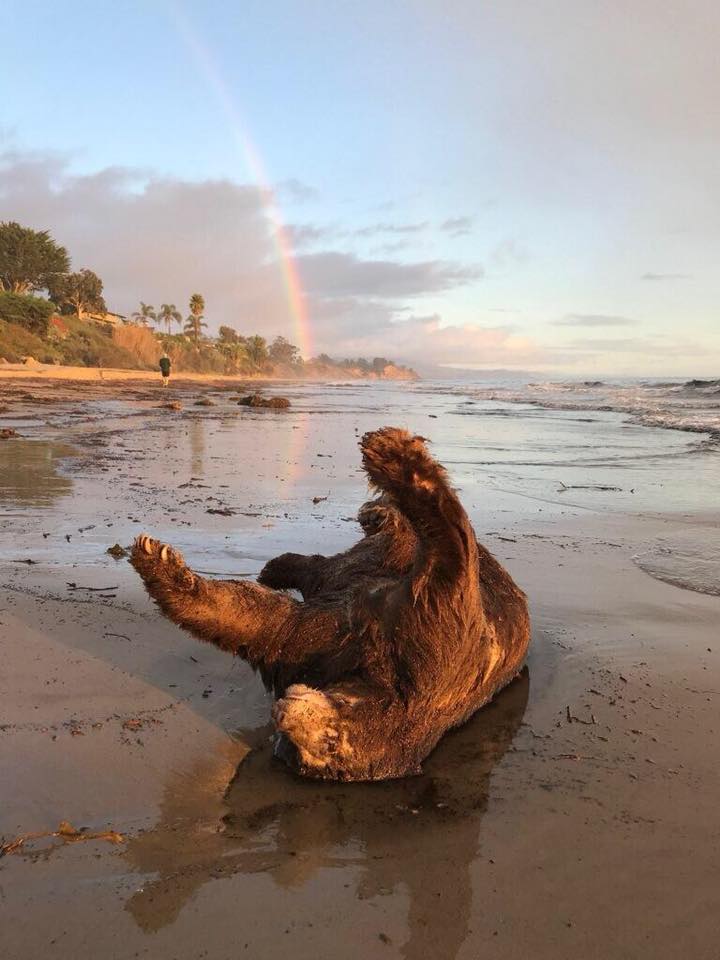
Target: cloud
pixel 666 276
pixel 159 239
pixel 374 229
pixel 593 320
pixel 335 274
pixel 150 238
pixel 424 341
pixel 457 226
pixel 306 234
pixel 296 191
pixel 428 338
pixel 388 248
pixel 454 227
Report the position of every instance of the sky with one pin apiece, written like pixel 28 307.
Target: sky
pixel 519 184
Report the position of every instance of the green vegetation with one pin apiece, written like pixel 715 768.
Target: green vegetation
pixel 75 342
pixel 18 342
pixel 71 341
pixel 168 313
pixel 194 323
pixel 197 304
pixel 282 351
pixel 377 365
pixel 32 313
pixel 145 314
pixel 77 292
pixel 257 351
pixel 234 350
pixel 29 259
pixel 91 345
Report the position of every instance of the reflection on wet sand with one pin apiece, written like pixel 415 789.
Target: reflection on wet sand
pixel 29 474
pixel 420 834
pixel 196 436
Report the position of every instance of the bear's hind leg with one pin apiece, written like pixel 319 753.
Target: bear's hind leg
pixel 400 465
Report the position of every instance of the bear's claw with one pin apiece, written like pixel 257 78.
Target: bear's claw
pixel 151 556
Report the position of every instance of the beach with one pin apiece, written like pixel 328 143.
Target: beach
pixel 576 816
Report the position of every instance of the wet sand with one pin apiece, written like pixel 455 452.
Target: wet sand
pixel 575 817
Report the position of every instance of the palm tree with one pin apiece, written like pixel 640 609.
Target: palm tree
pixel 168 313
pixel 145 313
pixel 194 323
pixel 197 304
pixel 235 354
pixel 193 326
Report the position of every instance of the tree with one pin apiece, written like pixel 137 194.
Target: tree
pixel 33 313
pixel 234 351
pixel 145 313
pixel 29 259
pixel 256 347
pixel 234 348
pixel 197 305
pixel 194 323
pixel 81 292
pixel 169 312
pixel 282 351
pixel 229 335
pixel 193 327
pixel 325 360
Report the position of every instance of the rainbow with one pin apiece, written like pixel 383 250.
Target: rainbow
pixel 297 303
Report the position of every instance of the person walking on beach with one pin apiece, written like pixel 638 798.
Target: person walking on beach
pixel 165 365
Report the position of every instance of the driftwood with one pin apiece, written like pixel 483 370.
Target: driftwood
pixel 590 486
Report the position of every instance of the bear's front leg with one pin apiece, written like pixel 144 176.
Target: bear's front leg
pixel 235 615
pixel 293 571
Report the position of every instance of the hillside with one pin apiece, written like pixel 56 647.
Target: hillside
pixel 74 342
pixel 69 341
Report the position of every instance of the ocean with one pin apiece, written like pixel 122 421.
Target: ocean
pixel 518 452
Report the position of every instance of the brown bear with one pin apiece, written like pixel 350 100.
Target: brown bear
pixel 398 639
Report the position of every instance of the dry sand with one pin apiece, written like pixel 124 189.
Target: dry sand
pixel 576 817
pixel 50 371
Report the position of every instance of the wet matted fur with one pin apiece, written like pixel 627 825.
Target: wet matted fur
pixel 398 639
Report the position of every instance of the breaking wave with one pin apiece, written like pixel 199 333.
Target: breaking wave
pixel 691 405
